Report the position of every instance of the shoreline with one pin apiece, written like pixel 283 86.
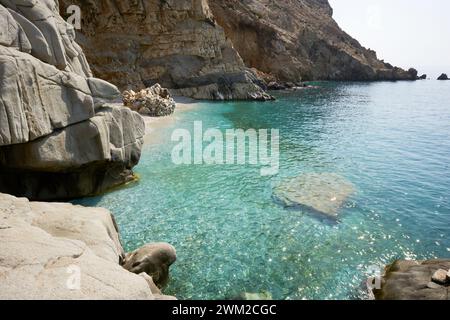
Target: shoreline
pixel 152 124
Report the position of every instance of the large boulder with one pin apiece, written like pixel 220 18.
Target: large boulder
pixel 61 134
pixel 153 260
pixel 443 77
pixel 413 280
pixel 322 193
pixel 61 251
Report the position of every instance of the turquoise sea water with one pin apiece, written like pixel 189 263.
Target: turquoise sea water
pixel 391 140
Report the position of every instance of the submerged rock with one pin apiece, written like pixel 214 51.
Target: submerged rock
pixel 154 101
pixel 322 193
pixel 412 280
pixel 443 77
pixel 295 40
pixel 152 259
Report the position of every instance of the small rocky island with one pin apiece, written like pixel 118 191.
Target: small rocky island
pixel 443 77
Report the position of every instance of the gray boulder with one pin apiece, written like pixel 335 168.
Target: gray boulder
pixel 61 135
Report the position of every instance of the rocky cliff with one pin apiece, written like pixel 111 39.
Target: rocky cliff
pixel 61 251
pixel 176 43
pixel 293 40
pixel 61 136
pixel 415 280
pixel 181 44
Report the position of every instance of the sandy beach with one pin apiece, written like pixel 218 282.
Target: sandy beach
pixel 152 124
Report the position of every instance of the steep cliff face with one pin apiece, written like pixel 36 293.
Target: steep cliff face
pixel 60 136
pixel 414 280
pixel 176 43
pixel 298 39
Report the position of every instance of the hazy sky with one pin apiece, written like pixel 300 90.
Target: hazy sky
pixel 406 33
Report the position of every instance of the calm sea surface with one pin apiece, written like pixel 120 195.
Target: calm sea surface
pixel 391 140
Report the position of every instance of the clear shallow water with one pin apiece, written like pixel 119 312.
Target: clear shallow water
pixel 391 140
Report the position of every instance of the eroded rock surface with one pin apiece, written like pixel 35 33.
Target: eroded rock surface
pixel 322 193
pixel 154 101
pixel 176 43
pixel 60 136
pixel 61 251
pixel 412 280
pixel 294 40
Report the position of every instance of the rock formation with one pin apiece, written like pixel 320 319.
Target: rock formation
pixel 61 251
pixel 154 101
pixel 322 193
pixel 59 137
pixel 414 280
pixel 181 44
pixel 443 77
pixel 296 40
pixel 154 260
pixel 176 43
pixel 441 277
